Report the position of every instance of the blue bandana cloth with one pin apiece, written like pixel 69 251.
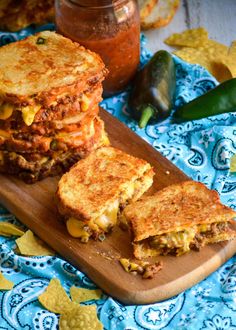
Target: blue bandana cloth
pixel 202 149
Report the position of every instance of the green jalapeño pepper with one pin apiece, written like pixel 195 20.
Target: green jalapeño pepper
pixel 151 98
pixel 218 100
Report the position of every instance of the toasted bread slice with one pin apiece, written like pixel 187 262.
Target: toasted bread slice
pixel 92 192
pixel 178 218
pixel 145 7
pixel 47 71
pixel 161 14
pixel 46 63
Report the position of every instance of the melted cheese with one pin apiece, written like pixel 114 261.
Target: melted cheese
pixel 178 239
pixel 29 112
pixel 6 110
pixel 77 228
pixel 85 102
pixel 109 217
pixel 104 139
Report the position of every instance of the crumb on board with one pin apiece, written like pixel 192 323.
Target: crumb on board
pixel 152 269
pixel 108 255
pixel 143 268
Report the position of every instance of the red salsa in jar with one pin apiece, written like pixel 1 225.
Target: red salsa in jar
pixel 111 29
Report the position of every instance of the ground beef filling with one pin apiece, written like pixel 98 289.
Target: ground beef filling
pixel 177 243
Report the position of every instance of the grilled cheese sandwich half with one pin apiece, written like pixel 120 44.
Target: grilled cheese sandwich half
pixel 94 191
pixel 177 219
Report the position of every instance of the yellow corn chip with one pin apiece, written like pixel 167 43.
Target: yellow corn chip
pixel 194 56
pixel 188 38
pixel 5 284
pixel 214 49
pixel 232 49
pixel 55 298
pixel 9 229
pixel 80 318
pixel 220 70
pixel 80 295
pixel 30 245
pixel 233 163
pixel 215 60
pixel 230 64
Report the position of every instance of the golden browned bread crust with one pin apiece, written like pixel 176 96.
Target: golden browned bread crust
pixel 175 208
pixel 44 65
pixel 96 182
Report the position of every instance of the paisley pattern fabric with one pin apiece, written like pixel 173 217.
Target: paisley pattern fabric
pixel 202 149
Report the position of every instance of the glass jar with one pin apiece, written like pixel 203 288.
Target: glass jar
pixel 110 28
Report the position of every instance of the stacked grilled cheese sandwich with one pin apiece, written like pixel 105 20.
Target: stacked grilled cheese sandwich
pixel 95 190
pixel 50 88
pixel 177 219
pixel 17 14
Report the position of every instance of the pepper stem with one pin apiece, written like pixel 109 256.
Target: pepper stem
pixel 146 115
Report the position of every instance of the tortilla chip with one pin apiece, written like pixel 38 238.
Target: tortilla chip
pixel 217 58
pixel 220 70
pixel 194 56
pixel 233 163
pixel 230 63
pixel 188 38
pixel 81 295
pixel 81 318
pixel 214 49
pixel 55 299
pixel 213 58
pixel 9 229
pixel 30 245
pixel 5 284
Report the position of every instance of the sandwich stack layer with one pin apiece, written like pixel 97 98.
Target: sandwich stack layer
pixel 49 95
pixel 15 14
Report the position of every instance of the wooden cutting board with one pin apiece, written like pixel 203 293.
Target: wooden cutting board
pixel 34 206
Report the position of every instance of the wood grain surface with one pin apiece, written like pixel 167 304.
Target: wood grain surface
pixel 217 16
pixel 34 206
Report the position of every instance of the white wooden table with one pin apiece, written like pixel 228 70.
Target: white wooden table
pixel 217 16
